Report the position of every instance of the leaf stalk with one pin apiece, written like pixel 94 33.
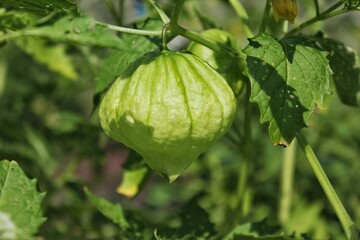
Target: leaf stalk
pixel 328 13
pixel 348 225
pixel 265 16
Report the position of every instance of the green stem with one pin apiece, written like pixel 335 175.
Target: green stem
pixel 265 16
pixel 121 7
pixel 317 8
pixel 176 29
pixel 46 18
pixel 196 37
pixel 349 227
pixel 3 72
pixel 241 12
pixel 285 26
pixel 287 179
pixel 174 21
pixel 328 13
pixel 163 37
pixel 10 35
pixel 245 167
pixel 131 30
pixel 34 32
pixel 248 145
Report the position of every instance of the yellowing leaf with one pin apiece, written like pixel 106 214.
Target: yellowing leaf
pixel 131 181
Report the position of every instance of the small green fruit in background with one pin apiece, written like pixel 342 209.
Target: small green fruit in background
pixel 169 107
pixel 223 63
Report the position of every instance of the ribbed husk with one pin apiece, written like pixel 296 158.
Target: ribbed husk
pixel 169 107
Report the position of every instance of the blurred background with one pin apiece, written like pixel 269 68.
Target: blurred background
pixel 48 124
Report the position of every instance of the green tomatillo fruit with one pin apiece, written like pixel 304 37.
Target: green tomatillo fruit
pixel 169 107
pixel 229 67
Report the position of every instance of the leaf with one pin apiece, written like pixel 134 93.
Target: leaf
pixel 352 4
pixel 345 64
pixel 14 20
pixel 129 225
pixel 52 56
pixel 41 148
pixel 78 30
pixel 195 224
pixel 206 22
pixel 19 201
pixel 117 61
pixel 111 211
pixel 112 66
pixel 289 78
pixel 258 230
pixel 253 229
pixel 41 7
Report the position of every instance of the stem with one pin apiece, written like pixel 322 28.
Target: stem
pixel 240 11
pixel 34 32
pixel 163 37
pixel 10 35
pixel 349 227
pixel 46 18
pixel 320 17
pixel 174 21
pixel 121 7
pixel 285 26
pixel 247 123
pixel 131 30
pixel 245 167
pixel 287 179
pixel 265 16
pixel 196 37
pixel 317 8
pixel 247 132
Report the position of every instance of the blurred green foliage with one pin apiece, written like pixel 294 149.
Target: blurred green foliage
pixel 49 125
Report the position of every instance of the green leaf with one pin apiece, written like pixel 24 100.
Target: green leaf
pixel 129 224
pixel 289 79
pixel 19 202
pixel 52 56
pixel 14 20
pixel 78 30
pixel 112 66
pixel 114 212
pixel 117 61
pixel 258 230
pixel 40 7
pixel 352 4
pixel 41 148
pixel 194 224
pixel 345 64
